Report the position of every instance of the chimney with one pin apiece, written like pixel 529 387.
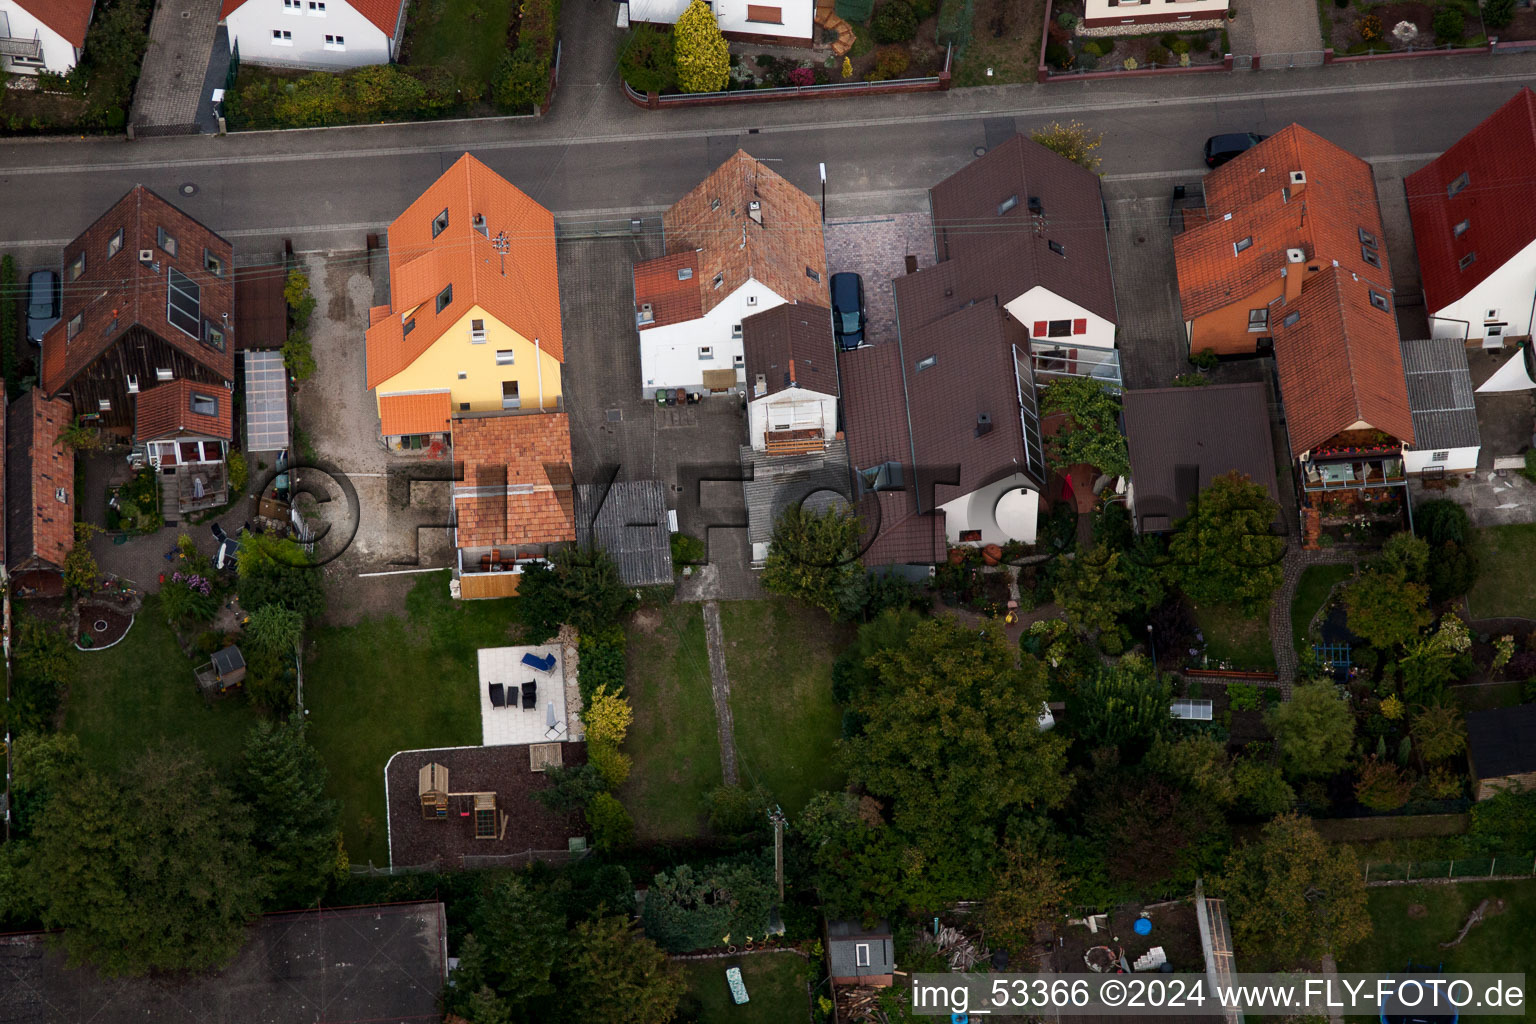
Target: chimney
pixel 911 264
pixel 983 424
pixel 1294 258
pixel 755 211
pixel 1298 183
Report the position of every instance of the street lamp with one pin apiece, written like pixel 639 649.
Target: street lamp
pixel 1151 647
pixel 823 192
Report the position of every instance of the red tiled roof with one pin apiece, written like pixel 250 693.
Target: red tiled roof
pixel 383 13
pixel 118 291
pixel 674 298
pixel 524 297
pixel 39 527
pixel 165 410
pixel 69 18
pixel 716 220
pixel 516 487
pixel 420 413
pixel 1499 159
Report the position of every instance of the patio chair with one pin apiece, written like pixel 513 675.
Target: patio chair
pixel 545 664
pixel 498 695
pixel 530 695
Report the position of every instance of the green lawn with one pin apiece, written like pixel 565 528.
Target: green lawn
pixel 775 989
pixel 1316 582
pixel 1505 585
pixel 142 691
pixel 1411 921
pixel 1230 637
pixel 467 37
pixel 779 657
pixel 673 741
pixel 396 683
pixel 1485 696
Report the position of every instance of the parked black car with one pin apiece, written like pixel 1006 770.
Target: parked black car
pixel 1221 148
pixel 44 296
pixel 848 310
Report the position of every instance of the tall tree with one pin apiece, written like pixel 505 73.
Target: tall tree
pixel 1294 897
pixel 594 594
pixel 41 765
pixel 1071 139
pixel 702 54
pixel 519 942
pixel 1029 892
pixel 154 872
pixel 814 558
pixel 1385 610
pixel 297 828
pixel 1124 706
pixel 1224 552
pixel 619 977
pixel 1091 433
pixel 952 735
pixel 275 570
pixel 1198 763
pixel 1315 730
pixel 1439 734
pixel 1094 590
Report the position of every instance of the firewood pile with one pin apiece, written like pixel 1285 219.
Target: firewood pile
pixel 958 949
pixel 860 1004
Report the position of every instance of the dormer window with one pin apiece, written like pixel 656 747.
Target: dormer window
pixel 161 373
pixel 1007 204
pixel 1461 182
pixel 133 383
pixel 77 267
pixel 1242 244
pixel 204 405
pixel 213 264
pixel 1379 300
pixel 440 223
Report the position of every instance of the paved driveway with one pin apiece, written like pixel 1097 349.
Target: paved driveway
pixel 1284 27
pixel 876 248
pixel 176 64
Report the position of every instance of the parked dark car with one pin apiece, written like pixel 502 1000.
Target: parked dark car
pixel 1221 148
pixel 848 310
pixel 43 302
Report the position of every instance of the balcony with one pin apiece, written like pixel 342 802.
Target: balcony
pixel 1353 474
pixel 11 46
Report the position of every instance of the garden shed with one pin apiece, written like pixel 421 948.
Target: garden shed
pixel 1501 748
pixel 224 670
pixel 860 956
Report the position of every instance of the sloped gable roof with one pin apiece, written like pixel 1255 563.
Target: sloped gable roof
pixel 166 410
pixel 416 413
pixel 39 527
pixel 791 345
pixel 670 286
pixel 385 14
pixel 69 18
pixel 516 486
pixel 1499 159
pixel 783 250
pixel 984 212
pixel 117 292
pixel 520 288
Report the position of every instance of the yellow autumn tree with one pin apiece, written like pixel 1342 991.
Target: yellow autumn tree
pixel 607 718
pixel 703 57
pixel 1073 139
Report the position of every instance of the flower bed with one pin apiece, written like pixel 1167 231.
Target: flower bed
pixel 1364 27
pixel 1068 49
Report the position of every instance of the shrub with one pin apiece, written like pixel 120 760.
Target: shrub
pixel 802 77
pixel 686 550
pixel 1243 696
pixel 1158 55
pixel 612 828
pixel 1498 13
pixel 1440 520
pixel 1057 55
pixel 647 60
pixel 855 11
pixel 890 62
pixel 703 57
pixel 1086 62
pixel 611 763
pixel 521 82
pixel 1067 20
pixel 239 475
pixel 1369 28
pixel 299 355
pixel 1098 47
pixel 1381 785
pixel 1130 64
pixel 601 654
pixel 1449 24
pixel 1179 45
pixel 894 22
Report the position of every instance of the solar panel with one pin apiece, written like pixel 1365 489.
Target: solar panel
pixel 266 402
pixel 1191 709
pixel 183 304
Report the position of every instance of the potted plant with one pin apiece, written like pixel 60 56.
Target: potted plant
pixel 1204 360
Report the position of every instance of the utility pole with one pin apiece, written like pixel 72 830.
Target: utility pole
pixel 776 816
pixel 502 246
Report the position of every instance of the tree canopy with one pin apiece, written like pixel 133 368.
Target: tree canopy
pixel 1124 706
pixel 701 52
pixel 814 558
pixel 1071 139
pixel 1225 552
pixel 1315 730
pixel 1386 610
pixel 1092 432
pixel 297 832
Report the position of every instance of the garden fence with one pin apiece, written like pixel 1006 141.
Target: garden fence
pixel 471 861
pixel 1459 869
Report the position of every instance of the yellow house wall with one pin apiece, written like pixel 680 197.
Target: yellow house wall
pixel 440 365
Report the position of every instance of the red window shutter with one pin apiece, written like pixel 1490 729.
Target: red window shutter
pixel 1080 326
pixel 1040 328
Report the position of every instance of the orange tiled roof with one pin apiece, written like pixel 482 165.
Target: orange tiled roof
pixel 525 296
pixel 416 413
pixel 670 284
pixel 716 220
pixel 383 13
pixel 165 410
pixel 516 486
pixel 69 18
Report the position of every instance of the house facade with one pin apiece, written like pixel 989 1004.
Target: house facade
pixel 742 242
pixel 322 34
pixel 43 35
pixel 39 495
pixel 1475 229
pixel 473 322
pixel 1156 14
pixel 148 299
pixel 791 366
pixel 788 21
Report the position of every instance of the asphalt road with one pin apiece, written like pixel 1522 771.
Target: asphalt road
pixel 324 189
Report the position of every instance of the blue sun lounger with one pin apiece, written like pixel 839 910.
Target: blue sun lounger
pixel 544 664
pixel 738 988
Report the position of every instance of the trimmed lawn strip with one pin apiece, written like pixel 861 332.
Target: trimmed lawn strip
pixel 467 37
pixel 1505 585
pixel 775 984
pixel 1242 642
pixel 392 684
pixel 1485 696
pixel 1316 583
pixel 673 741
pixel 779 656
pixel 141 691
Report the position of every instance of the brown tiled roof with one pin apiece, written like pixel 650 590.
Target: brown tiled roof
pixel 1183 438
pixel 791 345
pixel 383 13
pixel 40 529
pixel 165 410
pixel 526 297
pixel 670 284
pixel 1010 248
pixel 260 308
pixel 1499 159
pixel 716 220
pixel 69 18
pixel 516 486
pixel 1340 363
pixel 422 412
pixel 115 292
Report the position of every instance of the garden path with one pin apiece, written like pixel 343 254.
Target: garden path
pixel 720 688
pixel 1280 636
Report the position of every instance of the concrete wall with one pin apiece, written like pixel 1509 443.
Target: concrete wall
pixel 669 355
pixel 59 54
pixel 537 372
pixel 252 24
pixel 1508 292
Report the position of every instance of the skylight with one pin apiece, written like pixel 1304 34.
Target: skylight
pixel 183 305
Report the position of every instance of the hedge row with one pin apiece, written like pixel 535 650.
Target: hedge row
pixel 521 84
pixel 374 93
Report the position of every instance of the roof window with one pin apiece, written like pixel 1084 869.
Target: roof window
pixel 1369 255
pixel 684 273
pixel 1461 182
pixel 1007 204
pixel 479 225
pixel 166 241
pixel 1241 244
pixel 714 204
pixel 926 362
pixel 1056 247
pixel 1366 238
pixel 444 297
pixel 440 223
pixel 1035 206
pixel 813 275
pixel 1466 261
pixel 1291 319
pixel 1379 300
pixel 183 306
pixel 1461 229
pixel 719 279
pixel 204 405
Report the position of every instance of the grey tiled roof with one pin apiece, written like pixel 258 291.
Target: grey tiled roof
pixel 1440 394
pixel 843 940
pixel 771 483
pixel 630 523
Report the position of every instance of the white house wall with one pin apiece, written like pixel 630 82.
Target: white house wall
pixel 731 15
pixel 59 54
pixel 974 511
pixel 1040 303
pixel 252 25
pixel 1134 11
pixel 799 408
pixel 1510 290
pixel 1457 460
pixel 669 355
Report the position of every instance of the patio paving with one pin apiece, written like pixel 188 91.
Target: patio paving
pixel 512 724
pixel 876 248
